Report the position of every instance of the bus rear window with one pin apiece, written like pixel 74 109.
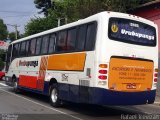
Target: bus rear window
pixel 130 31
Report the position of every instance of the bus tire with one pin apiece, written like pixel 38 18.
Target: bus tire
pixel 54 96
pixel 15 85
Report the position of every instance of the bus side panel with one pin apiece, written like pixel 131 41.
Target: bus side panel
pixel 63 68
pixel 28 81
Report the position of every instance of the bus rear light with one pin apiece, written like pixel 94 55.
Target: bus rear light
pixel 103 65
pixel 102 77
pixel 103 71
pixel 155 79
pixel 156 75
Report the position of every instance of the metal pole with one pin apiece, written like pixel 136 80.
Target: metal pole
pixel 16 30
pixel 59 22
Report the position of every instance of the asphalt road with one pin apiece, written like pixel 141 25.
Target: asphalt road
pixel 30 106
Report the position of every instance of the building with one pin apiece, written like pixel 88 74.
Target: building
pixel 4 45
pixel 150 11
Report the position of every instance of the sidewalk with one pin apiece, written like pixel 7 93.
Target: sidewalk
pixel 157 100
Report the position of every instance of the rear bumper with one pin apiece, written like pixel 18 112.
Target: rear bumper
pixel 107 97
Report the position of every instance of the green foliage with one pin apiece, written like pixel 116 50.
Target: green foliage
pixel 12 36
pixel 39 24
pixel 3 30
pixel 44 5
pixel 2 58
pixel 78 9
pixel 73 10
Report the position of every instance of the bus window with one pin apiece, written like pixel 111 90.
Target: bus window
pixel 8 57
pixel 22 49
pixel 27 47
pixel 130 31
pixel 45 42
pixel 15 51
pixel 38 45
pixel 52 43
pixel 91 36
pixel 61 42
pixel 32 47
pixel 71 39
pixel 81 36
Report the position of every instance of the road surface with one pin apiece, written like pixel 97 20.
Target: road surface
pixel 30 106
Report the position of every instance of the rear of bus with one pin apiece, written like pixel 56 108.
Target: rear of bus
pixel 127 60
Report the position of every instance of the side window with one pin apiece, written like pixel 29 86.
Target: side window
pixel 15 50
pixel 45 41
pixel 38 45
pixel 71 39
pixel 81 37
pixel 91 36
pixel 27 47
pixel 52 43
pixel 8 57
pixel 19 46
pixel 22 49
pixel 9 53
pixel 61 41
pixel 32 47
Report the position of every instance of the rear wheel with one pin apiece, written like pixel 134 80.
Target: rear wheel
pixel 54 96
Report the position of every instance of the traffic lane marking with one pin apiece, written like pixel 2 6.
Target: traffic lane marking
pixel 42 105
pixel 3 84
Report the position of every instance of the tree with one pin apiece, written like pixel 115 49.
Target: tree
pixel 73 10
pixel 37 25
pixel 44 5
pixel 79 9
pixel 3 30
pixel 12 36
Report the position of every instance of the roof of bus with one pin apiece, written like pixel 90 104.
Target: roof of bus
pixel 83 21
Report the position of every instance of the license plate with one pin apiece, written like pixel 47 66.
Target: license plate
pixel 131 86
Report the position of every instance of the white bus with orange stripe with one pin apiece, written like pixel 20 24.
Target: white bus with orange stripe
pixel 106 59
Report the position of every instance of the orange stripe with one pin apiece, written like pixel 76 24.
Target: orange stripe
pixel 75 61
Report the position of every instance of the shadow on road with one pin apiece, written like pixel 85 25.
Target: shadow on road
pixel 83 109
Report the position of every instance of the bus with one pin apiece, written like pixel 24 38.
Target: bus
pixel 109 58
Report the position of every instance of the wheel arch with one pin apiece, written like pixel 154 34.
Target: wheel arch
pixel 51 82
pixel 14 77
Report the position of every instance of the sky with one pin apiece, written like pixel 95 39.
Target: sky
pixel 17 12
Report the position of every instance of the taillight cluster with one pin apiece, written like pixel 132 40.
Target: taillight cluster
pixel 156 75
pixel 103 71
